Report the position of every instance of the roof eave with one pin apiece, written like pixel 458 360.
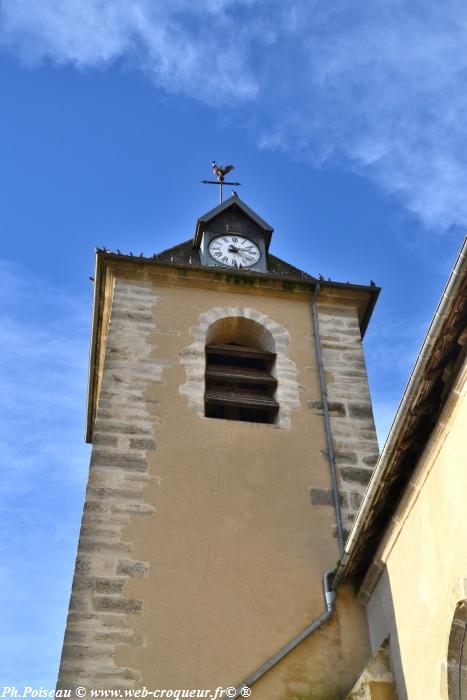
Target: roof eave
pixel 373 290
pixel 99 283
pixel 384 471
pixel 104 258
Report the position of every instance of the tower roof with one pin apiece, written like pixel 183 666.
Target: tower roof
pixel 187 254
pixel 233 201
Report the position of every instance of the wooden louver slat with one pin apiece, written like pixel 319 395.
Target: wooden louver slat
pixel 239 374
pixel 240 398
pixel 239 383
pixel 239 351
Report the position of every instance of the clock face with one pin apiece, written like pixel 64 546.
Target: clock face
pixel 233 250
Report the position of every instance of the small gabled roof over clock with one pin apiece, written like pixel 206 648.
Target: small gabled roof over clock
pixel 237 205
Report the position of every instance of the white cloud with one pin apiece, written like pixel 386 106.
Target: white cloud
pixel 379 86
pixel 383 87
pixel 177 44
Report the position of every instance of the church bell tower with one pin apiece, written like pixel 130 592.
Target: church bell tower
pixel 232 440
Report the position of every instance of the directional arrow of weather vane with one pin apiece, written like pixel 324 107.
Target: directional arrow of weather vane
pixel 220 173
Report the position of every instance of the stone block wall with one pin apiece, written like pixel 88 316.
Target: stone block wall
pixel 353 428
pixel 100 614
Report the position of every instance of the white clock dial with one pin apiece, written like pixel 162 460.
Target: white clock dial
pixel 233 250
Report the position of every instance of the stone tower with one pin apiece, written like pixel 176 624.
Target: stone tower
pixel 227 396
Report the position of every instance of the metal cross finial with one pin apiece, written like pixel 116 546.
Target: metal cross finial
pixel 220 172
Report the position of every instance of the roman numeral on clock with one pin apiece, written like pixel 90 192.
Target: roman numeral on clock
pixel 233 250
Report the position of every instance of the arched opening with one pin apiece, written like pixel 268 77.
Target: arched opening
pixel 457 654
pixel 240 377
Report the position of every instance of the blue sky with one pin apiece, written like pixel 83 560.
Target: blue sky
pixel 346 125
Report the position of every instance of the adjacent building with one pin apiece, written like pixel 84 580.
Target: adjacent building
pixel 406 554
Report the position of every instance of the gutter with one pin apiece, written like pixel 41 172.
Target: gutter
pixel 306 280
pixel 432 336
pixel 329 599
pixel 327 422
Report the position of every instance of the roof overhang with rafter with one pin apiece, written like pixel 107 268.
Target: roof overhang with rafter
pixel 439 363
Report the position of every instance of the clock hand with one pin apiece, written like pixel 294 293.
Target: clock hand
pixel 245 255
pixel 244 252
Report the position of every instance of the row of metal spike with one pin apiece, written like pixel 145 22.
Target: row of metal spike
pixel 103 249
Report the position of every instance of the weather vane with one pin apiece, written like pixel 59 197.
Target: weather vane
pixel 220 172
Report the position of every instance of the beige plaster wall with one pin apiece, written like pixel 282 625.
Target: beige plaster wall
pixel 204 541
pixel 425 560
pixel 376 681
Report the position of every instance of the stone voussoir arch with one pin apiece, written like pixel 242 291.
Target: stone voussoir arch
pixel 273 337
pixel 457 654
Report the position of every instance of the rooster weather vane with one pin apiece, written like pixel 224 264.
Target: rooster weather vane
pixel 220 173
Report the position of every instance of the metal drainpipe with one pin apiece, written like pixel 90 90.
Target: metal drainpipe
pixel 327 423
pixel 329 597
pixel 329 592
